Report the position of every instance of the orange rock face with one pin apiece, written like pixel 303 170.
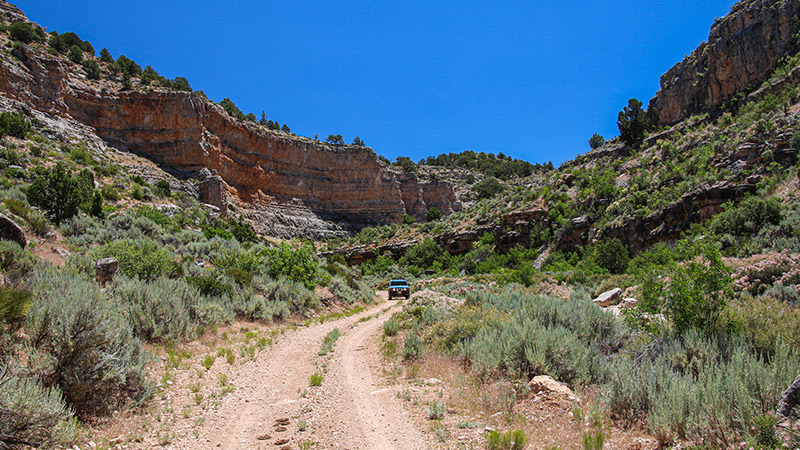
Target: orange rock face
pixel 287 183
pixel 742 49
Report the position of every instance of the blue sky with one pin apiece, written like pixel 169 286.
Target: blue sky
pixel 531 79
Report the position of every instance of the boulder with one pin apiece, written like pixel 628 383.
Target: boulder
pixel 608 298
pixel 546 383
pixel 789 406
pixel 788 413
pixel 11 231
pixel 106 269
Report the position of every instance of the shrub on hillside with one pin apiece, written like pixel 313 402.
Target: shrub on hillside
pixel 488 188
pixel 128 66
pixel 14 124
pixel 60 194
pixel 22 32
pixel 15 262
pixel 92 69
pixel 433 214
pixel 699 387
pixel 160 310
pixel 75 54
pixel 612 255
pixel 692 294
pixel 633 122
pixel 79 343
pixel 294 263
pixel 142 258
pixel 596 141
pixel 32 415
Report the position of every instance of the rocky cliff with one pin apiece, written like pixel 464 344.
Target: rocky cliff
pixel 286 184
pixel 742 49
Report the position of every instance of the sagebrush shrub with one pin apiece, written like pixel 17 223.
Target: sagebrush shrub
pixel 15 262
pixel 81 343
pixel 33 414
pixel 700 387
pixel 160 310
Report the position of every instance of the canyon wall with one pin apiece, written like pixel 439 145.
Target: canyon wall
pixel 743 48
pixel 264 175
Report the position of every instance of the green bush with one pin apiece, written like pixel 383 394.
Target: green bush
pixel 15 262
pixel 231 108
pixel 14 124
pixel 21 31
pixel 488 188
pixel 272 305
pixel 433 214
pixel 692 294
pixel 128 66
pixel 161 310
pixel 141 258
pixel 105 56
pixel 296 296
pixel 612 255
pixel 31 414
pixel 391 327
pixel 295 263
pixel 81 344
pixel 92 69
pixel 75 54
pixel 633 122
pixel 60 194
pixel 509 440
pixel 329 342
pixel 748 217
pixel 412 347
pixel 542 335
pixel 596 141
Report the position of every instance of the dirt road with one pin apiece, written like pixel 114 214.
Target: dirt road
pixel 352 409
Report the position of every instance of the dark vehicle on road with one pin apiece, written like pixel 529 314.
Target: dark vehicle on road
pixel 399 288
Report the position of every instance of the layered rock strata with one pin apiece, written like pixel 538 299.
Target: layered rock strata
pixel 261 174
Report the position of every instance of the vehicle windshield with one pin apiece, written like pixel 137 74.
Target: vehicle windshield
pixel 398 283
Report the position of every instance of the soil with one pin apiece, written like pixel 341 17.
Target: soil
pixel 272 404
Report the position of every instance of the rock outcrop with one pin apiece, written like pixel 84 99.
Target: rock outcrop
pixel 667 224
pixel 742 49
pixel 9 230
pixel 260 174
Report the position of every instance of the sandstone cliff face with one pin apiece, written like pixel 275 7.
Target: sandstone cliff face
pixel 284 183
pixel 742 49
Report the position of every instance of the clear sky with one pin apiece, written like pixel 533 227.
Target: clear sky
pixel 532 79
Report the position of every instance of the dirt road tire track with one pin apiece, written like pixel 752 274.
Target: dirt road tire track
pixel 351 410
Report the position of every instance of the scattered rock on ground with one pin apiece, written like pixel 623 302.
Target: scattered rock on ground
pixel 546 383
pixel 608 298
pixel 106 269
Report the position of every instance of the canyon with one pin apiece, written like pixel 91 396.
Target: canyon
pixel 286 185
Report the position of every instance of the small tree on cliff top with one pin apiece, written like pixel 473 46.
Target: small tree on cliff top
pixel 633 122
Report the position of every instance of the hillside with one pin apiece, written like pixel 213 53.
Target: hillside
pixel 177 274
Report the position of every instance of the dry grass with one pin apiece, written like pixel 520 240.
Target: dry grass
pixel 473 406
